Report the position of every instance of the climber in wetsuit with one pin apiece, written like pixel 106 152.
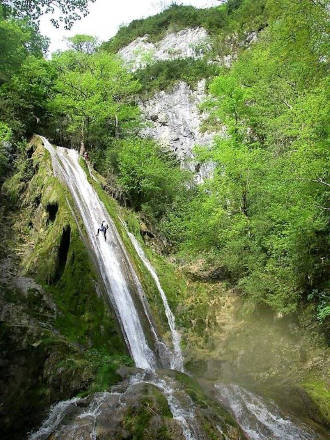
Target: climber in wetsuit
pixel 103 228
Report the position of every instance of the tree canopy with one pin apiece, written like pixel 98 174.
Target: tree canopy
pixel 68 11
pixel 263 217
pixel 93 93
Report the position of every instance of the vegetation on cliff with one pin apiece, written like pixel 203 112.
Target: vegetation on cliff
pixel 58 336
pixel 232 16
pixel 262 218
pixel 259 225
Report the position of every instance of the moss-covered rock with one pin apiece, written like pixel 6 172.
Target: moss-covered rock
pixel 58 335
pixel 319 392
pixel 148 405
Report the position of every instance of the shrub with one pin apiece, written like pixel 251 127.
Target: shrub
pixel 163 74
pixel 150 177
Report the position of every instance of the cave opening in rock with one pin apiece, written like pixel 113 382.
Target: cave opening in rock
pixel 29 152
pixel 62 254
pixel 52 209
pixel 37 200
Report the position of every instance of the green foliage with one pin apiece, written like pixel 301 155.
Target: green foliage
pixel 93 94
pixel 173 19
pixel 68 10
pixel 22 74
pixel 246 15
pixel 5 137
pixel 83 43
pixel 264 215
pixel 323 300
pixel 151 178
pixel 105 366
pixel 23 98
pixel 163 74
pixel 18 40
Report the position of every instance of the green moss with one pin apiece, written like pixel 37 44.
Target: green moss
pixel 138 419
pixel 319 392
pixel 80 345
pixel 197 394
pixel 83 316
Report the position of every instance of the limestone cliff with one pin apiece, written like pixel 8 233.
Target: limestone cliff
pixel 173 116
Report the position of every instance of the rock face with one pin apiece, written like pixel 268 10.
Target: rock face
pixel 144 406
pixel 51 327
pixel 174 119
pixel 183 44
pixel 173 115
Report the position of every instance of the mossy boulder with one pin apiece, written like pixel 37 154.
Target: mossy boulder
pixel 58 334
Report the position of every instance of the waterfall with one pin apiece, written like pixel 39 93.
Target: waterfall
pixel 115 269
pixel 121 284
pixel 176 358
pixel 258 419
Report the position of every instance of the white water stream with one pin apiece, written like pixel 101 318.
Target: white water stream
pixel 176 358
pixel 112 262
pixel 258 420
pixel 121 283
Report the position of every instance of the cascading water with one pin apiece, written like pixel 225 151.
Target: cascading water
pixel 113 264
pixel 260 421
pixel 84 415
pixel 176 358
pixel 55 417
pixel 120 280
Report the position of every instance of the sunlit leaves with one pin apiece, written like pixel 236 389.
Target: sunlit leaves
pixel 66 11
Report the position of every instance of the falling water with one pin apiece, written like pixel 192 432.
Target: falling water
pixel 260 421
pixel 56 415
pixel 119 279
pixel 111 258
pixel 176 358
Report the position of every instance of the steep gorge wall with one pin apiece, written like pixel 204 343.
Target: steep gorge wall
pixel 58 336
pixel 173 116
pixel 174 119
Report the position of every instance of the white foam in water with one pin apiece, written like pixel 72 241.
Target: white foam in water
pixel 260 421
pixel 56 415
pixel 184 414
pixel 176 358
pixel 111 259
pixel 118 274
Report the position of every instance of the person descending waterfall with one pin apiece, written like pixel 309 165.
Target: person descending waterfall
pixel 103 228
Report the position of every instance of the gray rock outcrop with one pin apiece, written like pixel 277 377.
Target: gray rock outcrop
pixel 174 119
pixel 172 116
pixel 188 43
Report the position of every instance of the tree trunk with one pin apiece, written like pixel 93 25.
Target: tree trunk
pixel 116 127
pixel 82 142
